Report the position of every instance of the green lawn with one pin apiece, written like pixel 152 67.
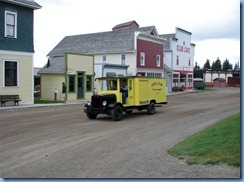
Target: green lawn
pixel 37 100
pixel 218 143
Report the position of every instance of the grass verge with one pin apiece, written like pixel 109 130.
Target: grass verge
pixel 218 143
pixel 37 100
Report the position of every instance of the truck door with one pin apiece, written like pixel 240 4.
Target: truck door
pixel 131 92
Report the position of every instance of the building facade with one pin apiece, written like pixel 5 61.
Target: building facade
pixel 76 71
pixel 126 50
pixel 16 48
pixel 179 56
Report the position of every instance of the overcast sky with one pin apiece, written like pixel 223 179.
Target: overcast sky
pixel 214 24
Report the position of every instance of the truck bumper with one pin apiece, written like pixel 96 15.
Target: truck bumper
pixel 96 110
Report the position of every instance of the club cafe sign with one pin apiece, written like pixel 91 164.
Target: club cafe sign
pixel 183 49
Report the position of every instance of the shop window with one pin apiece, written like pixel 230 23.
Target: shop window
pixel 72 83
pixel 10 73
pixel 88 83
pixel 150 74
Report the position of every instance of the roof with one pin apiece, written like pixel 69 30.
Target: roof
pixel 25 3
pixel 125 24
pixel 180 29
pixel 167 38
pixel 120 41
pixel 220 79
pixel 54 65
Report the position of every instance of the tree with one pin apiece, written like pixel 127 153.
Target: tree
pixel 237 67
pixel 196 66
pixel 227 65
pixel 206 66
pixel 216 66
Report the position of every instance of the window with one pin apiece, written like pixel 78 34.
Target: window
pixel 10 73
pixel 158 75
pixel 88 83
pixel 158 60
pixel 142 59
pixel 10 24
pixel 189 62
pixel 123 59
pixel 72 83
pixel 150 74
pixel 177 60
pixel 104 59
pixel 141 74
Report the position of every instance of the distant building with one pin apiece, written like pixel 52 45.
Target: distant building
pixel 179 56
pixel 126 50
pixel 16 48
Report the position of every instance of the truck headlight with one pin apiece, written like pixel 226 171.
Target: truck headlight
pixel 104 103
pixel 88 104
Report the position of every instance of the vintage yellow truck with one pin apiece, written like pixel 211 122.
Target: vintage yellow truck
pixel 143 93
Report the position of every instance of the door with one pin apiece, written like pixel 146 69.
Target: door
pixel 131 100
pixel 80 93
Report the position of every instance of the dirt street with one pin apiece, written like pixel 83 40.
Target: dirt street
pixel 61 142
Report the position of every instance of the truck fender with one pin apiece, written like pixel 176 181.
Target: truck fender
pixel 112 105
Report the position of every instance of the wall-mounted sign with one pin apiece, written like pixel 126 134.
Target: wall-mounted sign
pixel 183 49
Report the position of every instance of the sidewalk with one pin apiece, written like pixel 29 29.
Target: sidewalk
pixel 23 106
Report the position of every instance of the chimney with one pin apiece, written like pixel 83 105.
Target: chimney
pixel 127 25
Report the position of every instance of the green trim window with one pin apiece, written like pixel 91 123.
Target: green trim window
pixel 88 83
pixel 10 73
pixel 71 83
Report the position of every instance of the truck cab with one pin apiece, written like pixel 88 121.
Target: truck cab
pixel 141 93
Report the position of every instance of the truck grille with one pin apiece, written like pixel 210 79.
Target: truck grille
pixel 96 102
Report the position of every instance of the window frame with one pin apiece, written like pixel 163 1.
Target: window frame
pixel 123 58
pixel 6 25
pixel 104 58
pixel 158 60
pixel 91 83
pixel 142 58
pixel 74 84
pixel 4 71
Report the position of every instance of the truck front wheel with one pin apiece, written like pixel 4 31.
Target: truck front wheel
pixel 151 108
pixel 91 116
pixel 117 113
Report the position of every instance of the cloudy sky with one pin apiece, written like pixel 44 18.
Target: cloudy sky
pixel 214 24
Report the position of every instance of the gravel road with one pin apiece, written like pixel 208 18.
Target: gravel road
pixel 61 142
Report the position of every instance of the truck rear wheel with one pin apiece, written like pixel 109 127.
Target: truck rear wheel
pixel 91 116
pixel 151 108
pixel 117 113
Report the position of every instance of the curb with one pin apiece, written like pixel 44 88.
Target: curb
pixel 7 108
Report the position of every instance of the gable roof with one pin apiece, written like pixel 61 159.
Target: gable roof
pixel 120 41
pixel 125 24
pixel 26 3
pixel 54 65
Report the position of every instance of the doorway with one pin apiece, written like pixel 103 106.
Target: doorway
pixel 80 88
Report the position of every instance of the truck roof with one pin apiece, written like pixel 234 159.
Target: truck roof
pixel 126 77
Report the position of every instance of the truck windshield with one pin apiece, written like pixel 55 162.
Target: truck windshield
pixel 107 85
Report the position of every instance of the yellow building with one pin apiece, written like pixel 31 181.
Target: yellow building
pixel 75 70
pixel 17 49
